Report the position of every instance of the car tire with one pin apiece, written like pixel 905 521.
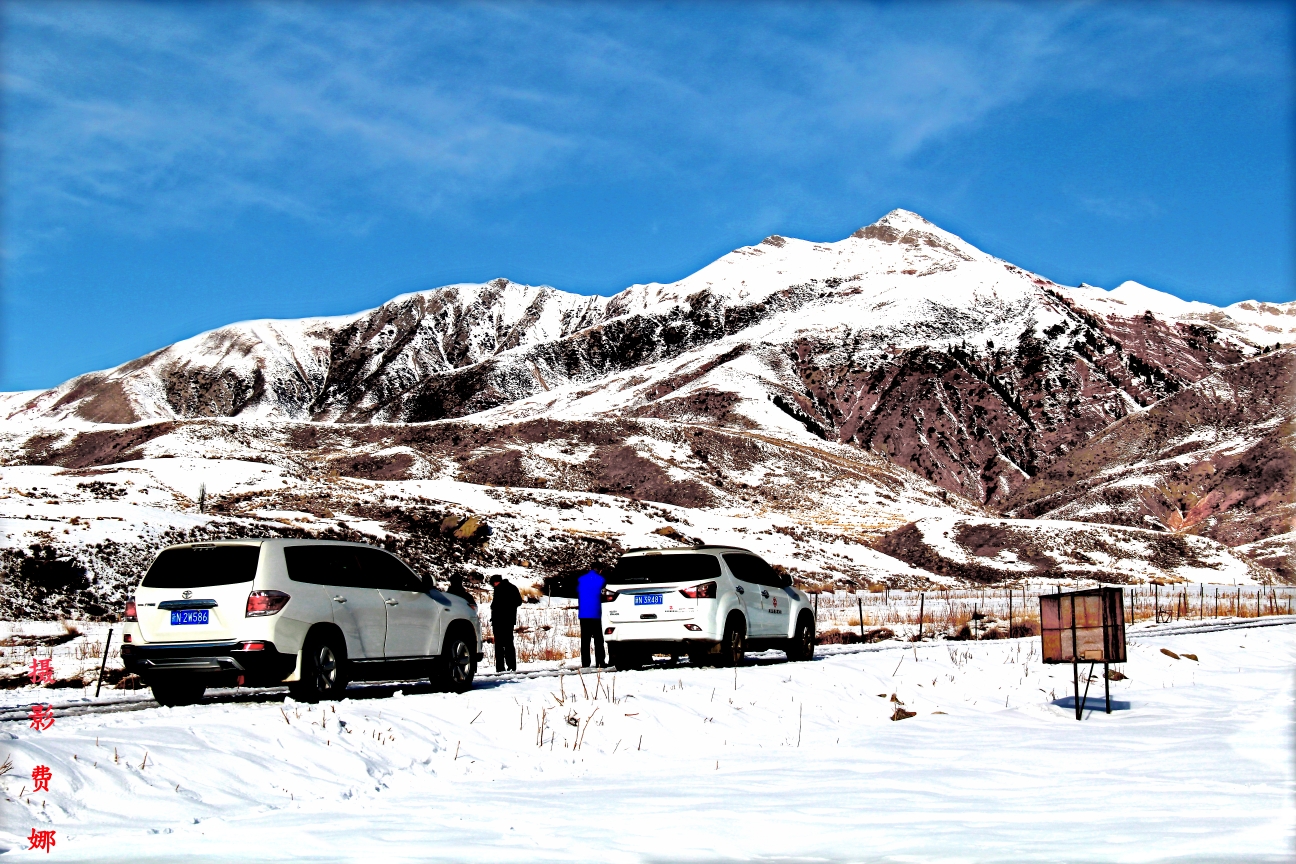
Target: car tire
pixel 457 665
pixel 173 693
pixel 323 669
pixel 625 658
pixel 733 646
pixel 801 646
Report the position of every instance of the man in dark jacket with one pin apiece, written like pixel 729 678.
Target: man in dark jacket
pixel 458 589
pixel 589 592
pixel 504 606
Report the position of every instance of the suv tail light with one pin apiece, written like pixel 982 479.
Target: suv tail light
pixel 705 591
pixel 608 595
pixel 252 646
pixel 265 603
pixel 130 614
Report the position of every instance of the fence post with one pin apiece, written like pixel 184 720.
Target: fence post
pixel 922 597
pixel 860 601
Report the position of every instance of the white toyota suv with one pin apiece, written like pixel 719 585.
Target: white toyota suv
pixel 312 614
pixel 712 603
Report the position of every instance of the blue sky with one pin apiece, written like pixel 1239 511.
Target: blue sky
pixel 171 168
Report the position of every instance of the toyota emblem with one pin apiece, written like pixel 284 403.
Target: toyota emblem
pixel 186 595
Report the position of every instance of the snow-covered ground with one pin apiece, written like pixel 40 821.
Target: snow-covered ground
pixel 774 761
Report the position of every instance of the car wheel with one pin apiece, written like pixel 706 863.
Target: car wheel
pixel 323 672
pixel 802 645
pixel 733 647
pixel 172 693
pixel 458 663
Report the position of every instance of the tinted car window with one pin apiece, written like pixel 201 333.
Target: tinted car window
pixel 749 568
pixel 643 569
pixel 203 566
pixel 387 571
pixel 326 565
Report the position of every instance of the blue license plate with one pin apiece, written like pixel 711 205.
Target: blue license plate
pixel 648 599
pixel 189 616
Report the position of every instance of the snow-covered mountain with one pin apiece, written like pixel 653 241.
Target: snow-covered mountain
pixel 901 339
pixel 317 368
pixel 899 285
pixel 847 388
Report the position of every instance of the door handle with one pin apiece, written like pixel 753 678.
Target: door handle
pixel 339 599
pixel 764 593
pixel 392 602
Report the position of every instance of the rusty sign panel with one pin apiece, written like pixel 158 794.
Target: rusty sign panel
pixel 1083 626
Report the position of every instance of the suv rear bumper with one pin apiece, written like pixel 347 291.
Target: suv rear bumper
pixel 220 663
pixel 666 646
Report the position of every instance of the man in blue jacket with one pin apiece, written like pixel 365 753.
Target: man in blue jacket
pixel 589 591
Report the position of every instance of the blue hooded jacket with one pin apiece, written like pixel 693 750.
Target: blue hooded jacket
pixel 589 588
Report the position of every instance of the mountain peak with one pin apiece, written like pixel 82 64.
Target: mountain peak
pixel 896 223
pixel 900 216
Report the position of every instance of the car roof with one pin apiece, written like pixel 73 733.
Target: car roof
pixel 247 541
pixel 644 550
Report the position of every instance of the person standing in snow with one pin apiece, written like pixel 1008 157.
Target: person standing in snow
pixel 589 591
pixel 504 606
pixel 457 588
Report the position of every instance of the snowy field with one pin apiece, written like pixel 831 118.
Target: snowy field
pixel 775 761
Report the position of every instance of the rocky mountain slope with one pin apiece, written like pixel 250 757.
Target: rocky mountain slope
pixel 527 501
pixel 1216 459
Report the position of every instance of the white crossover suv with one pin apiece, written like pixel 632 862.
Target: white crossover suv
pixel 712 603
pixel 312 614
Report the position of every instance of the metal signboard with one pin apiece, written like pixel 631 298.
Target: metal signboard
pixel 1084 627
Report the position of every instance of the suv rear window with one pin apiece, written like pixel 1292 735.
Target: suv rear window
pixel 643 569
pixel 203 566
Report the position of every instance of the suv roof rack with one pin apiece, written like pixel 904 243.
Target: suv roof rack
pixel 688 548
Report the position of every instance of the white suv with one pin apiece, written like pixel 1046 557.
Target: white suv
pixel 712 603
pixel 312 614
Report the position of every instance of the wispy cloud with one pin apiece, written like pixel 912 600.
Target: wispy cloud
pixel 151 117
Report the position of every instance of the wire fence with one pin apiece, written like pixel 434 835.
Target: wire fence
pixel 550 629
pixel 1000 612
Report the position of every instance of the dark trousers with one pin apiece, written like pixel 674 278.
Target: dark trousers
pixel 592 628
pixel 505 651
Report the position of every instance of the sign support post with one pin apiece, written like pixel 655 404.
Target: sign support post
pixel 103 661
